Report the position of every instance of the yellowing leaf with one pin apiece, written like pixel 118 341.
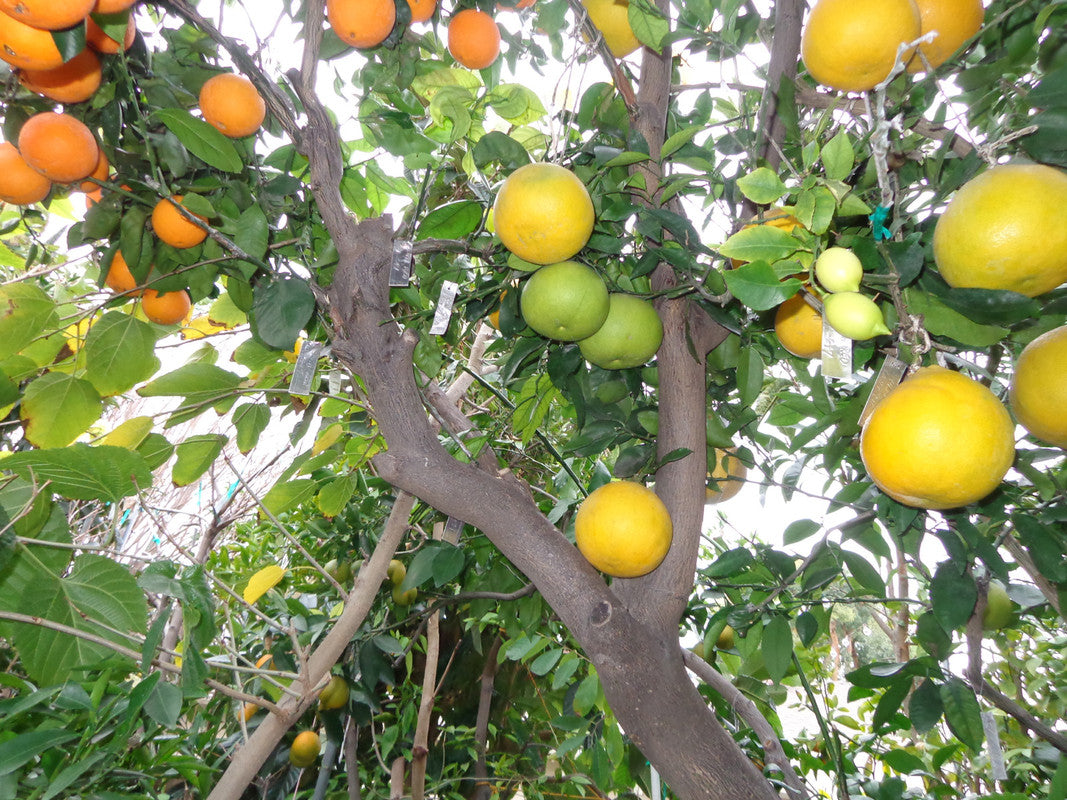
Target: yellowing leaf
pixel 199 327
pixel 328 438
pixel 130 433
pixel 263 580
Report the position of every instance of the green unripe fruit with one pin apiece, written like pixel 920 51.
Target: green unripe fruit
pixel 998 607
pixel 854 315
pixel 404 598
pixel 396 571
pixel 839 270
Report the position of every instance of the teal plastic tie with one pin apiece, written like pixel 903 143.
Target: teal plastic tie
pixel 878 220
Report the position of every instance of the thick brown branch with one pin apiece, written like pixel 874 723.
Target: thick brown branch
pixel 785 50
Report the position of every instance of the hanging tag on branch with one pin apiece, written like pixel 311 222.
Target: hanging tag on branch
pixel 304 369
pixel 992 738
pixel 836 353
pixel 400 271
pixel 443 313
pixel 888 379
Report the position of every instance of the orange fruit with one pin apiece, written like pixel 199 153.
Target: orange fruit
pixel 119 279
pixel 939 440
pixel 231 104
pixel 20 183
pixel 102 43
pixel 73 82
pixel 852 45
pixel 422 10
pixel 305 749
pixel 27 47
pixel 728 472
pixel 100 173
pixel 49 15
pixel 623 529
pixel 112 6
pixel 543 213
pixel 249 710
pixel 473 38
pixel 59 146
pixel 172 227
pixel 955 21
pixel 798 327
pixel 1038 394
pixel 361 23
pixel 516 7
pixel 1004 230
pixel 167 308
pixel 776 217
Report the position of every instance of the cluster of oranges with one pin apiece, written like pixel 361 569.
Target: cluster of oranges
pixel 57 149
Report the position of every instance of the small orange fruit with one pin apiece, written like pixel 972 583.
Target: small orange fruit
pixel 102 43
pixel 119 278
pixel 59 146
pixel 361 23
pixel 20 183
pixel 798 327
pixel 72 82
pixel 727 471
pixel 49 15
pixel 422 10
pixel 27 47
pixel 112 6
pixel 473 38
pixel 249 710
pixel 166 308
pixel 231 104
pixel 305 749
pixel 172 227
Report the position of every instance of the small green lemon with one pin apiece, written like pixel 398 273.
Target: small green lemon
pixel 839 270
pixel 854 315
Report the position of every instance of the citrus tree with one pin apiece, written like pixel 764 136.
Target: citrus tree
pixel 527 295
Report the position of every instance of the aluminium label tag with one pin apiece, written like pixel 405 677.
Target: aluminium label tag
pixel 836 353
pixel 888 379
pixel 304 369
pixel 400 270
pixel 443 313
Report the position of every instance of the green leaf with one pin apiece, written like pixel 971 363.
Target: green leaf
pixel 119 353
pixel 25 313
pixel 941 320
pixel 750 369
pixel 281 309
pixel 680 139
pixel 759 243
pixel 1044 547
pixel 57 409
pixel 81 472
pixel 164 705
pixel 201 139
pixel 334 495
pixel 953 595
pixel 202 385
pixel 517 104
pixel 890 703
pixel 807 627
pixel 250 419
pixel 253 232
pixel 287 494
pixel 777 647
pixel 586 695
pixel 962 713
pixel 762 186
pixel 196 454
pixel 499 147
pixel 991 306
pixel 19 751
pixel 934 639
pixel 98 590
pixel 451 220
pixel 903 762
pixel 838 157
pixel 546 662
pixel 925 707
pixel 866 575
pixel 799 530
pixel 648 24
pixel 758 287
pixel 532 405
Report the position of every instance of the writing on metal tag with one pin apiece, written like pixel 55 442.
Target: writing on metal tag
pixel 400 271
pixel 335 382
pixel 836 353
pixel 992 738
pixel 888 379
pixel 304 369
pixel 443 312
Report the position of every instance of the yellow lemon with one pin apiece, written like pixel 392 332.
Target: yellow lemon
pixel 612 19
pixel 955 21
pixel 1038 394
pixel 543 213
pixel 623 529
pixel 1006 229
pixel 939 440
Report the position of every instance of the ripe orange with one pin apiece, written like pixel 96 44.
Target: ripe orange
pixel 102 43
pixel 26 47
pixel 1038 393
pixel 473 38
pixel 304 750
pixel 939 440
pixel 112 6
pixel 955 21
pixel 422 10
pixel 73 82
pixel 623 529
pixel 852 45
pixel 20 183
pixel 776 217
pixel 798 327
pixel 168 308
pixel 231 104
pixel 172 227
pixel 119 279
pixel 249 710
pixel 49 15
pixel 100 173
pixel 728 472
pixel 1004 230
pixel 516 7
pixel 59 146
pixel 543 213
pixel 361 23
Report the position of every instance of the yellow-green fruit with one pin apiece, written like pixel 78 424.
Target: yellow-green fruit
pixel 838 270
pixel 630 335
pixel 1038 392
pixel 612 19
pixel 728 473
pixel 396 571
pixel 567 301
pixel 543 213
pixel 340 571
pixel 305 749
pixel 854 315
pixel 726 639
pixel 998 607
pixel 404 598
pixel 1006 229
pixel 334 695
